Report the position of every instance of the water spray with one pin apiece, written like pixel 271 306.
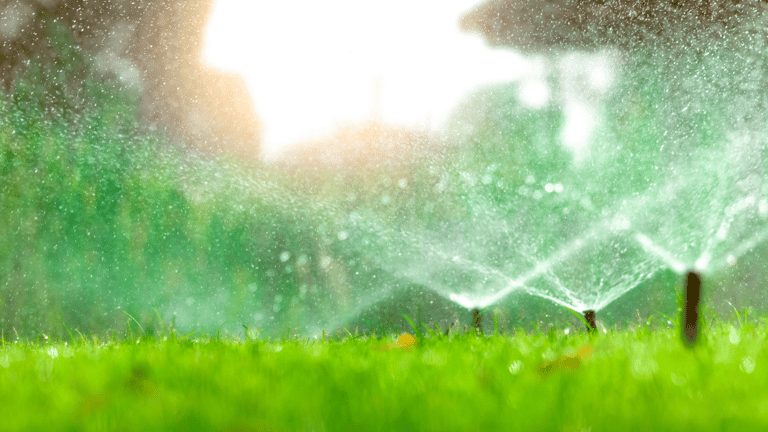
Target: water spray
pixel 691 299
pixel 589 316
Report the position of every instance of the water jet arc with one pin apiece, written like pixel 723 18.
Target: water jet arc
pixel 589 316
pixel 691 299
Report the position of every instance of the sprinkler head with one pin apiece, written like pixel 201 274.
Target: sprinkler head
pixel 589 316
pixel 691 299
pixel 476 321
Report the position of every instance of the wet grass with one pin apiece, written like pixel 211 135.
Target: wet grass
pixel 626 380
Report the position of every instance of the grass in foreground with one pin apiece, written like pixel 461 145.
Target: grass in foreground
pixel 628 380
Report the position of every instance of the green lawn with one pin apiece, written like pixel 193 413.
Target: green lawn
pixel 627 380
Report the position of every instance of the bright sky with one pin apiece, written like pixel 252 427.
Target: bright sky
pixel 312 66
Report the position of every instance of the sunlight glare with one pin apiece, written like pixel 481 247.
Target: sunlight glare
pixel 314 66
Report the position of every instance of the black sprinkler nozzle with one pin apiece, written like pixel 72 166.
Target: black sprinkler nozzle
pixel 691 300
pixel 589 316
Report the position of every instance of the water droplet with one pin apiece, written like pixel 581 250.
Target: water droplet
pixel 515 367
pixel 734 336
pixel 468 178
pixel 285 256
pixel 762 209
pixel 747 365
pixel 342 235
pixel 403 183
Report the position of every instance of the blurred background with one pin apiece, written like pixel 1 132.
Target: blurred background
pixel 299 167
pixel 312 68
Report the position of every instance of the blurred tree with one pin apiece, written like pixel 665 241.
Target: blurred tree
pixel 550 26
pixel 151 46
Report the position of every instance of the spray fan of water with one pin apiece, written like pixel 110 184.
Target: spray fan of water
pixel 672 178
pixel 675 180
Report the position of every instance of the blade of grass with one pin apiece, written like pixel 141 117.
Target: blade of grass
pixel 669 319
pixel 648 322
pixel 579 316
pixel 83 340
pixel 415 329
pixel 70 334
pixel 134 320
pixel 735 311
pixel 439 330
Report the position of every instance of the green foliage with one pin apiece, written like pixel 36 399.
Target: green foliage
pixel 100 217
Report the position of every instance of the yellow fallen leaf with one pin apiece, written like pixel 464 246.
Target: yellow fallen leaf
pixel 405 341
pixel 568 361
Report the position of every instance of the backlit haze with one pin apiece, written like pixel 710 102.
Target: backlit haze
pixel 313 67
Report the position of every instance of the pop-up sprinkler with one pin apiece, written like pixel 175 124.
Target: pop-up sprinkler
pixel 476 321
pixel 589 316
pixel 691 298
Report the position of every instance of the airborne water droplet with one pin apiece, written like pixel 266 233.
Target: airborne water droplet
pixel 515 367
pixel 747 365
pixel 734 336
